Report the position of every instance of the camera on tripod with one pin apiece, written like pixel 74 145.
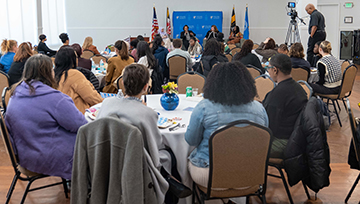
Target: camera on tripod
pixel 292 13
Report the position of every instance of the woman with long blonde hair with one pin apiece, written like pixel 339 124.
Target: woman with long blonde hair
pixel 17 67
pixel 8 49
pixel 88 45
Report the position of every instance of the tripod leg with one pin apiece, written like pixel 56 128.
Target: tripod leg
pixel 288 34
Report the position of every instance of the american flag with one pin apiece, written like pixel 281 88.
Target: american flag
pixel 155 26
pixel 168 25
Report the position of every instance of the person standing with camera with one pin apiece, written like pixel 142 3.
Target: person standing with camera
pixel 316 29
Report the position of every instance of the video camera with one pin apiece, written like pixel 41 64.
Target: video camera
pixel 293 13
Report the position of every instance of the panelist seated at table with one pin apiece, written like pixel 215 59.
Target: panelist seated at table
pixel 42 121
pixel 212 33
pixel 229 93
pixel 134 111
pixel 72 82
pixel 178 52
pixel 116 65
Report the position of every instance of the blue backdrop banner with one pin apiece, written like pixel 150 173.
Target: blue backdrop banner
pixel 199 22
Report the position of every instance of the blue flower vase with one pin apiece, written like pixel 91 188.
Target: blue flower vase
pixel 169 101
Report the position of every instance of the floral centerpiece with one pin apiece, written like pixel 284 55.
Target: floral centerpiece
pixel 169 100
pixel 170 88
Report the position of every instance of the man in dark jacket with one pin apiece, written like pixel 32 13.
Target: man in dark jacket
pixel 283 104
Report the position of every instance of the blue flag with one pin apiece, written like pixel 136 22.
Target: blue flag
pixel 246 25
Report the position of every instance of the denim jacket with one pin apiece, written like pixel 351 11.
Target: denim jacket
pixel 208 116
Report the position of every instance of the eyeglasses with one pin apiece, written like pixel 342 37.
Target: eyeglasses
pixel 268 67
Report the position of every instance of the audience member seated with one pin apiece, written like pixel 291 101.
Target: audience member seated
pixel 82 62
pixel 186 35
pixel 147 59
pixel 64 38
pixel 229 93
pixel 297 57
pixel 72 82
pixel 267 49
pixel 317 55
pixel 88 45
pixel 283 104
pixel 42 121
pixel 116 65
pixel 8 49
pixel 167 42
pixel 224 47
pixel 42 48
pixel 246 57
pixel 194 47
pixel 133 53
pixel 160 53
pixel 140 38
pixel 17 67
pixel 178 52
pixel 134 111
pixel 329 70
pixel 235 36
pixel 90 76
pixel 212 55
pixel 212 33
pixel 283 49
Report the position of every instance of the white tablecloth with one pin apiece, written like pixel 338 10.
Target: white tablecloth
pixel 176 139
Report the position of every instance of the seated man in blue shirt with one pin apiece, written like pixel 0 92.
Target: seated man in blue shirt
pixel 177 43
pixel 283 104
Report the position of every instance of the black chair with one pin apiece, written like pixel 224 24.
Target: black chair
pixel 238 154
pixel 355 143
pixel 30 177
pixel 279 165
pixel 5 96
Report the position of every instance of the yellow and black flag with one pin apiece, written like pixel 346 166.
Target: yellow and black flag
pixel 233 20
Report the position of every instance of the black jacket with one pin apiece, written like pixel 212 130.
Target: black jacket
pixel 208 62
pixel 307 156
pixel 185 41
pixel 44 49
pixel 16 71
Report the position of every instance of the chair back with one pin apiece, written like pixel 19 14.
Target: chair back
pixel 235 50
pixel 7 142
pixel 307 88
pixel 87 54
pixel 231 46
pixel 264 84
pixel 97 58
pixel 345 65
pixel 120 85
pixel 299 74
pixel 5 97
pixel 254 71
pixel 353 126
pixel 238 155
pixel 4 80
pixel 193 79
pixel 229 57
pixel 348 80
pixel 255 46
pixel 177 66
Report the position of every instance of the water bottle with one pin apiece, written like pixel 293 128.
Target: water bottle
pixel 102 66
pixel 120 94
pixel 93 66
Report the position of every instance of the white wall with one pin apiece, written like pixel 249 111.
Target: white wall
pixel 108 21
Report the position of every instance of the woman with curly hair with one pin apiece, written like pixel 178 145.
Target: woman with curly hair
pixel 229 93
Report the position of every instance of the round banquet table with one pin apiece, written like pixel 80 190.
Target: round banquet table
pixel 176 139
